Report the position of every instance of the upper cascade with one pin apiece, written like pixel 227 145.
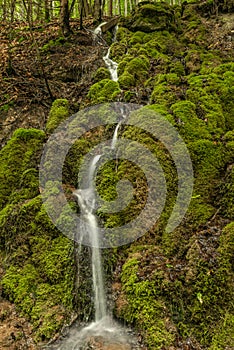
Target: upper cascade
pixel 111 65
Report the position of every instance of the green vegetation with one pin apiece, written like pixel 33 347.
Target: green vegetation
pixel 52 44
pixel 58 113
pixel 171 286
pixel 104 91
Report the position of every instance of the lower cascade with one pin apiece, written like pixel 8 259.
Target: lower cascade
pixel 104 333
pixel 111 65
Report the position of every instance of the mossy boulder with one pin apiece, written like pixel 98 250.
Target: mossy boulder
pixel 38 272
pixel 136 70
pixel 150 17
pixel 19 166
pixel 118 50
pixel 212 93
pixel 142 304
pixel 189 125
pixel 58 113
pixel 126 81
pixel 105 90
pixel 163 94
pixel 100 74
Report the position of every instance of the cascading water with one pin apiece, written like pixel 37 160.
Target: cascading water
pixel 115 136
pixel 111 65
pixel 90 227
pixel 103 330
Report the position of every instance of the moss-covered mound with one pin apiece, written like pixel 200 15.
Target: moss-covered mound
pixel 150 17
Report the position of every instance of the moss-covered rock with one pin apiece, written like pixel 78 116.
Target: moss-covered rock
pixel 19 166
pixel 126 80
pixel 58 113
pixel 150 17
pixel 100 74
pixel 118 50
pixel 38 267
pixel 163 94
pixel 143 305
pixel 104 91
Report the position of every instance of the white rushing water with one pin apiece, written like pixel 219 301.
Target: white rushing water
pixel 111 65
pixel 115 136
pixel 86 200
pixel 90 227
pixel 98 30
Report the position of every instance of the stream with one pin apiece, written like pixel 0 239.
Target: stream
pixel 104 333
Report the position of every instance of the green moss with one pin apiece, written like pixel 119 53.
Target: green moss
pixel 189 125
pixel 149 17
pixel 227 186
pixel 130 96
pixel 163 42
pixel 210 280
pixel 163 94
pixel 138 68
pixel 19 155
pixel 51 45
pixel 123 35
pixel 212 93
pixel 224 338
pixel 208 161
pixel 38 276
pixel 209 62
pixel 58 113
pixel 163 111
pixel 143 306
pixel 177 68
pixel 170 78
pixel 137 38
pixel 118 50
pixel 123 64
pixel 104 91
pixel 229 136
pixel 100 74
pixel 223 68
pixel 126 81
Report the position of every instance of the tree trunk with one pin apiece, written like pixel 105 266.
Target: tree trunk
pixel 47 10
pixel 111 8
pixel 81 13
pixel 98 10
pixel 65 18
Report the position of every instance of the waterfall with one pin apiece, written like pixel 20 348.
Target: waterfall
pixel 111 65
pixel 98 30
pixel 86 201
pixel 115 136
pixel 104 329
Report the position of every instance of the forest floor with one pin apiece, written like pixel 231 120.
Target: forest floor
pixel 27 58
